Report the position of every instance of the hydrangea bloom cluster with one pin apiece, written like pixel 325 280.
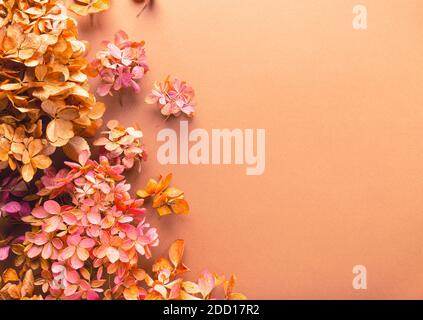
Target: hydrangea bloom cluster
pixel 44 97
pixel 122 145
pixel 174 97
pixel 121 64
pixel 101 229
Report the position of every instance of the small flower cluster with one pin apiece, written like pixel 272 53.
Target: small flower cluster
pixel 122 145
pixel 44 98
pixel 168 285
pixel 174 97
pixel 86 7
pixel 165 199
pixel 120 64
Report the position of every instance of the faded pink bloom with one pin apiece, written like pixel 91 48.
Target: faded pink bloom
pixel 77 251
pixel 101 227
pixel 174 97
pixel 122 145
pixel 45 244
pixel 120 64
pixel 4 249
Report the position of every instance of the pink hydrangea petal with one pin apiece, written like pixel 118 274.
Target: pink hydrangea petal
pixel 104 89
pixel 187 109
pixel 67 253
pixel 100 252
pixel 76 263
pixel 52 224
pixel 112 254
pixel 94 217
pixel 137 73
pixel 47 251
pixel 70 290
pixel 87 243
pixel 135 86
pixel 82 254
pixel 92 295
pixel 40 213
pixel 114 51
pixel 52 207
pixel 72 276
pixel 118 84
pixel 123 256
pixel 69 219
pixel 41 239
pixel 206 283
pixel 4 253
pixel 120 37
pixel 12 207
pixel 57 268
pixel 84 156
pixel 126 61
pixel 34 251
pixel 140 248
pixel 74 240
pixel 57 243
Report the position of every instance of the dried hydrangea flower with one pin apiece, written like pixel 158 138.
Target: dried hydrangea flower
pixel 13 287
pixel 167 284
pixel 43 85
pixel 122 145
pixel 89 7
pixel 121 64
pixel 166 199
pixel 100 229
pixel 174 97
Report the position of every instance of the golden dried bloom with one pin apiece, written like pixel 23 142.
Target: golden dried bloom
pixel 44 93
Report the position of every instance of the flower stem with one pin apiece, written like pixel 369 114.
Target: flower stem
pixel 92 20
pixel 143 8
pixel 121 98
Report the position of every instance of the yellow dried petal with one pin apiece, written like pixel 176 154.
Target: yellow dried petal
pixel 164 211
pixel 176 252
pixel 143 194
pixel 173 192
pixel 41 162
pixel 27 289
pixel 131 293
pixel 35 147
pixel 28 172
pixel 41 72
pixel 180 206
pixel 97 111
pixel 60 131
pixel 10 275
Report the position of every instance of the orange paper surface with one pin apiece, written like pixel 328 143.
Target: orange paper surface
pixel 343 114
